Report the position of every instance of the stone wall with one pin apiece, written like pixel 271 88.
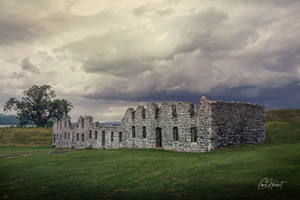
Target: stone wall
pixel 237 123
pixel 174 127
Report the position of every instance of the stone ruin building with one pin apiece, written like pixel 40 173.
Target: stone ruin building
pixel 174 127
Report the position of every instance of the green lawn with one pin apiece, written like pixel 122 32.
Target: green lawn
pixel 27 172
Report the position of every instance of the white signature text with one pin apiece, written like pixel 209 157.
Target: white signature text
pixel 270 183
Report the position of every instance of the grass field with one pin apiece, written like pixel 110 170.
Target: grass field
pixel 31 172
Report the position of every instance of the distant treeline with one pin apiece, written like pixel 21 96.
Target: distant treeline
pixel 8 119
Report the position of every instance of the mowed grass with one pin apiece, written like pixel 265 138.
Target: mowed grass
pixel 27 172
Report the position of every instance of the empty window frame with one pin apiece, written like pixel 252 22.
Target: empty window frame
pixel 156 113
pixel 96 135
pixel 144 131
pixel 112 136
pixel 90 134
pixel 175 134
pixel 120 136
pixel 82 137
pixel 143 114
pixel 133 131
pixel 194 134
pixel 77 137
pixel 103 138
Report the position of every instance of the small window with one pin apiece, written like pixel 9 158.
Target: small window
pixel 174 112
pixel 90 134
pixel 120 137
pixel 144 132
pixel 144 114
pixel 82 137
pixel 103 138
pixel 96 135
pixel 194 134
pixel 133 115
pixel 60 136
pixel 175 134
pixel 65 124
pixel 112 136
pixel 133 131
pixel 68 135
pixel 54 138
pixel 156 113
pixel 77 137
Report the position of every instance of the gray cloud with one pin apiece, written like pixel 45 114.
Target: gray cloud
pixel 33 21
pixel 28 66
pixel 165 11
pixel 16 75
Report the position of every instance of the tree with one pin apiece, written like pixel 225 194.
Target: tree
pixel 37 107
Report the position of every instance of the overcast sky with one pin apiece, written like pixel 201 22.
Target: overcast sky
pixel 104 55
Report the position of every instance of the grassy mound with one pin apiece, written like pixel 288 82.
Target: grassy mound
pixel 13 136
pixel 284 115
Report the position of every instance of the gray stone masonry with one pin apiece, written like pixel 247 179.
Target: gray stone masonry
pixel 180 127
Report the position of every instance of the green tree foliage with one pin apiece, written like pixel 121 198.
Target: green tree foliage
pixel 38 108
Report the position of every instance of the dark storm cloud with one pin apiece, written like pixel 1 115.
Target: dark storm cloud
pixel 273 98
